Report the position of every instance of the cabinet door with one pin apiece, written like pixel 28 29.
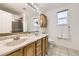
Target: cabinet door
pixel 43 46
pixel 46 43
pixel 29 50
pixel 38 48
pixel 17 53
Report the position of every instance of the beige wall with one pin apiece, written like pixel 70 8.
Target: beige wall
pixel 73 17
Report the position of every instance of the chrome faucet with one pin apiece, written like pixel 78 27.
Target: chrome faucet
pixel 17 37
pixel 36 33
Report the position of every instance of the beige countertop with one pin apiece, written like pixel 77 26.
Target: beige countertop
pixel 4 49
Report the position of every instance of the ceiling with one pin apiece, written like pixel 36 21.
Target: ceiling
pixel 49 6
pixel 17 8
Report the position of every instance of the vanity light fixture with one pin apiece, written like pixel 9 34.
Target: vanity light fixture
pixel 34 6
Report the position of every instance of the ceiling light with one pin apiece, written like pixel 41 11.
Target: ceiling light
pixel 32 4
pixel 34 7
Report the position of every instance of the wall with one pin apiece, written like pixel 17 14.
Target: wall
pixel 73 18
pixel 24 22
pixel 5 22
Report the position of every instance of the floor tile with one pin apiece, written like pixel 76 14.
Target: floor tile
pixel 72 52
pixel 55 50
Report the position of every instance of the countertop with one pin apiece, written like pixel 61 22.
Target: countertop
pixel 4 50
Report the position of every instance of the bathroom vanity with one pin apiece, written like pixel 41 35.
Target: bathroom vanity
pixel 31 46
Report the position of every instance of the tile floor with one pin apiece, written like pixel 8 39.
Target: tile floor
pixel 55 50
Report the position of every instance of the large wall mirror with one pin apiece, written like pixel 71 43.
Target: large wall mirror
pixel 13 20
pixel 10 23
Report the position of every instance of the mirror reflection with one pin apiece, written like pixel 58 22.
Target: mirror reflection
pixel 21 18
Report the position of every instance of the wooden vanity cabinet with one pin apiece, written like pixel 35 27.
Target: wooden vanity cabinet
pixel 17 53
pixel 29 50
pixel 38 48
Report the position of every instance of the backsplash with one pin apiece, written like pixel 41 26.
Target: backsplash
pixel 5 37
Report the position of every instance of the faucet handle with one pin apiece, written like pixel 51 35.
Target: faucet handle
pixel 17 37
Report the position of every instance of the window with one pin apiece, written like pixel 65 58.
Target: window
pixel 35 22
pixel 62 17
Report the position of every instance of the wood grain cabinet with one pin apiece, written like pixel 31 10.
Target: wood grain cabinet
pixel 17 53
pixel 46 43
pixel 37 48
pixel 29 50
pixel 43 46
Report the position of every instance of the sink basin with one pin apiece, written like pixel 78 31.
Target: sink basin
pixel 33 35
pixel 15 42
